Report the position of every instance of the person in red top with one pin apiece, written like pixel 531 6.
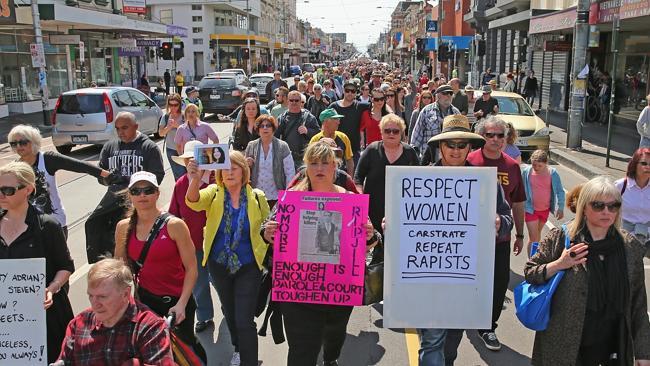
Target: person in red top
pixel 116 329
pixel 195 221
pixel 168 273
pixel 370 119
pixel 494 130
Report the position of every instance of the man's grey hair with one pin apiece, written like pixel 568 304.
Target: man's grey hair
pixel 127 116
pixel 491 121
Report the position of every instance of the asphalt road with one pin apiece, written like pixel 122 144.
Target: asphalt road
pixel 367 343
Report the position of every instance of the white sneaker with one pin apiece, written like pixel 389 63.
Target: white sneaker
pixel 235 360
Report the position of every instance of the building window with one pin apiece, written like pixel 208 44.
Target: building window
pixel 166 16
pixel 197 18
pixel 197 30
pixel 198 41
pixel 197 7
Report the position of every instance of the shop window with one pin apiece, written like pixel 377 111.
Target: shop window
pixel 197 18
pixel 197 7
pixel 197 30
pixel 197 41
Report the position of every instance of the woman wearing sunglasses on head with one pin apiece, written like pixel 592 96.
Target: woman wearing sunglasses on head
pixel 636 195
pixel 599 311
pixel 166 272
pixel 193 129
pixel 27 233
pixel 370 118
pixel 25 141
pixel 169 123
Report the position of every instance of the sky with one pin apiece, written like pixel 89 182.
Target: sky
pixel 362 20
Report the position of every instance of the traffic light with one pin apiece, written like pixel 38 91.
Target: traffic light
pixel 213 43
pixel 522 54
pixel 419 42
pixel 152 54
pixel 245 53
pixel 480 48
pixel 443 52
pixel 179 50
pixel 166 51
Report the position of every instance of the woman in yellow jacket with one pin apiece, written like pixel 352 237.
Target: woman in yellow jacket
pixel 233 247
pixel 180 81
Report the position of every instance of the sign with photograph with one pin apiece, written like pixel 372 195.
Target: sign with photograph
pixel 319 253
pixel 134 6
pixel 7 12
pixel 441 220
pixel 212 156
pixel 23 337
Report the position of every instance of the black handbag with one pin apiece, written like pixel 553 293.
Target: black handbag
pixel 373 281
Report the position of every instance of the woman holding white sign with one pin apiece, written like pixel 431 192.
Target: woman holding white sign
pixel 26 233
pixel 311 327
pixel 599 310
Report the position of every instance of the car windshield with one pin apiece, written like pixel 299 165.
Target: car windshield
pixel 262 79
pixel 81 104
pixel 514 106
pixel 214 83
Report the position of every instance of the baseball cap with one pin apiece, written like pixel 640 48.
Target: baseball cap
pixel 486 89
pixel 329 113
pixel 143 176
pixel 443 89
pixel 191 89
pixel 350 83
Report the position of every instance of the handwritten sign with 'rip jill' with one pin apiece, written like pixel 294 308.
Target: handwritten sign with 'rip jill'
pixel 23 338
pixel 320 246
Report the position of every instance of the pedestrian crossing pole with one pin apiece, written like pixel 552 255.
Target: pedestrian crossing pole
pixel 577 106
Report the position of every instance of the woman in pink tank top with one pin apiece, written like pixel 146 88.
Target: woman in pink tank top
pixel 168 273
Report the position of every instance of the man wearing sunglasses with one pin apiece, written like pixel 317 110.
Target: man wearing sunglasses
pixel 430 120
pixel 486 105
pixel 296 127
pixel 455 143
pixel 352 110
pixel 275 84
pixel 331 121
pixel 131 152
pixel 281 102
pixel 494 129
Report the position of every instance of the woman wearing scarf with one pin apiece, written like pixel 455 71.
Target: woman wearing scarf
pixel 233 247
pixel 599 310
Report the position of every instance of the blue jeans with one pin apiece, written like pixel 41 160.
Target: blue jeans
pixel 432 347
pixel 201 291
pixel 177 170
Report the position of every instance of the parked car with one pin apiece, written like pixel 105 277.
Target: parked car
pixel 320 66
pixel 259 81
pixel 295 70
pixel 221 91
pixel 308 67
pixel 532 130
pixel 87 116
pixel 236 71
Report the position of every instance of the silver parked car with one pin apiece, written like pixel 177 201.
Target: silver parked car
pixel 259 81
pixel 87 116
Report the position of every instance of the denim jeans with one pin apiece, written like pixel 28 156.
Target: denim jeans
pixel 238 295
pixel 432 347
pixel 201 291
pixel 177 169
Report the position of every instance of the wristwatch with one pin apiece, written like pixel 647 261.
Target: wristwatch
pixel 520 236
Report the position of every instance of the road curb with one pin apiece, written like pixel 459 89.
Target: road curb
pixel 571 160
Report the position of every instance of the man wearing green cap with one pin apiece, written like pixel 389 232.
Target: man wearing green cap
pixel 329 128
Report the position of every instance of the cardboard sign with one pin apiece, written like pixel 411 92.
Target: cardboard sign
pixel 440 239
pixel 320 247
pixel 23 337
pixel 212 156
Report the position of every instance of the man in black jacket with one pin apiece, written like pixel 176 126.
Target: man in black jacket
pixel 274 84
pixel 131 152
pixel 296 126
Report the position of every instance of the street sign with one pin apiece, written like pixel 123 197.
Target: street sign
pixel 121 42
pixel 64 39
pixel 432 25
pixel 147 42
pixel 134 6
pixel 82 52
pixel 38 55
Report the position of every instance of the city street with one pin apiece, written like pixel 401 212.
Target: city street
pixel 368 343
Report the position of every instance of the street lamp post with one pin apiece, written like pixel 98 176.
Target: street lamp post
pixel 248 36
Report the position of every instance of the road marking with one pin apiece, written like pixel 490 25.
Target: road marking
pixel 79 273
pixel 412 345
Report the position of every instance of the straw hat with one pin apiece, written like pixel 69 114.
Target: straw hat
pixel 454 127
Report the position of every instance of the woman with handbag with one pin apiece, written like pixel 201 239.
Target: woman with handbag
pixel 193 129
pixel 599 310
pixel 160 250
pixel 233 247
pixel 27 233
pixel 310 327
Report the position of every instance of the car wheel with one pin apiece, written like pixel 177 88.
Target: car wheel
pixel 64 149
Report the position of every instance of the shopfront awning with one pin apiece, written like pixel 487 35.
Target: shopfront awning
pixel 457 42
pixel 563 20
pixel 84 19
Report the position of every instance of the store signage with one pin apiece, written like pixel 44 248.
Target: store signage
pixel 608 10
pixel 82 52
pixel 7 12
pixel 561 46
pixel 64 38
pixel 38 55
pixel 130 51
pixel 432 25
pixel 134 6
pixel 175 30
pixel 147 42
pixel 121 42
pixel 560 20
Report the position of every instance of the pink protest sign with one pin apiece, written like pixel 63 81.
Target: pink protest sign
pixel 319 252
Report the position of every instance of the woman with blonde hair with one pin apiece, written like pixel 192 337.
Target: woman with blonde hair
pixel 193 129
pixel 27 233
pixel 169 123
pixel 599 311
pixel 509 148
pixel 233 247
pixel 311 327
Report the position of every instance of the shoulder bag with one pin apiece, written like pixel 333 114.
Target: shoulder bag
pixel 136 266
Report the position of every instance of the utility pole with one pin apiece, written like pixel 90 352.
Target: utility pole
pixel 42 73
pixel 248 36
pixel 577 106
pixel 440 15
pixel 616 28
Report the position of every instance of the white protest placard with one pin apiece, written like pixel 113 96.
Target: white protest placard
pixel 440 237
pixel 23 337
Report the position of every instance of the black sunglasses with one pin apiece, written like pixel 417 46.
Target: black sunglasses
pixel 390 95
pixel 456 145
pixel 173 104
pixel 295 100
pixel 265 125
pixel 19 142
pixel 135 191
pixel 392 131
pixel 491 135
pixel 350 90
pixel 10 191
pixel 378 99
pixel 598 206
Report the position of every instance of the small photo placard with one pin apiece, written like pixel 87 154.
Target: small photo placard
pixel 212 156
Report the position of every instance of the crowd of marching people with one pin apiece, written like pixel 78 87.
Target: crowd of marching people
pixel 335 131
